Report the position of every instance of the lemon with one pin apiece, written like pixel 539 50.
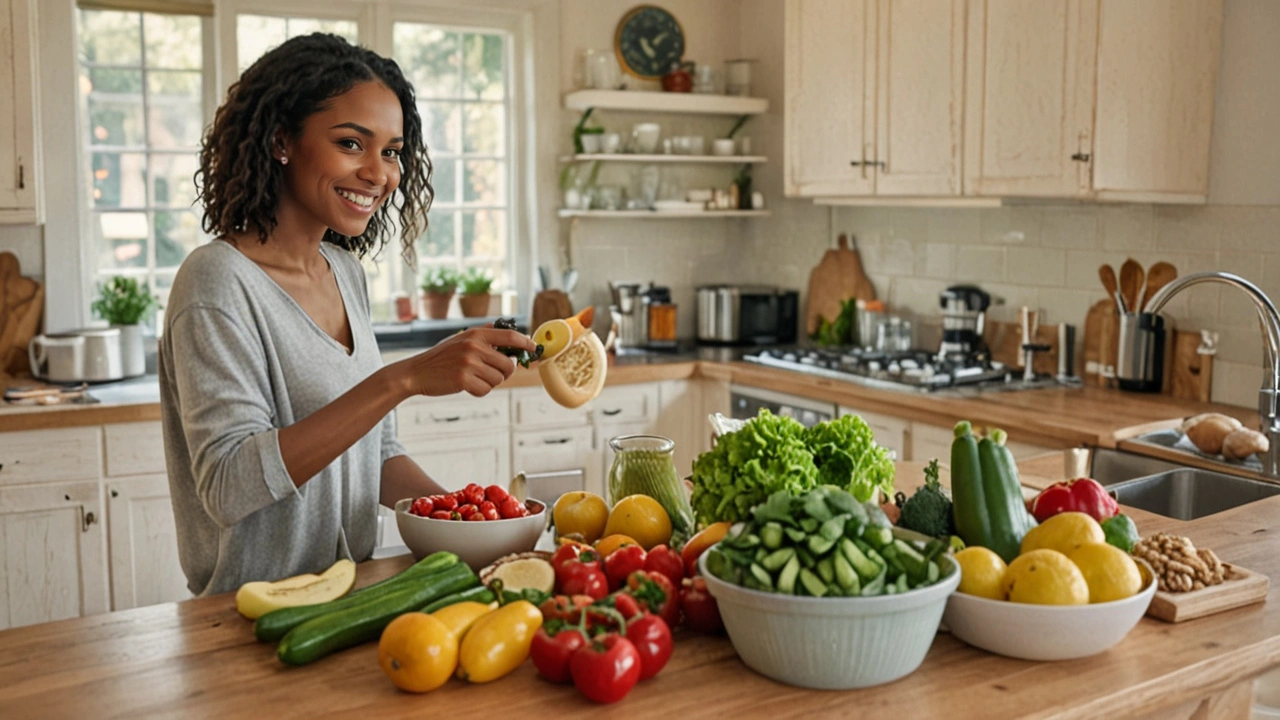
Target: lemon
pixel 1109 571
pixel 981 573
pixel 1045 577
pixel 640 517
pixel 1063 532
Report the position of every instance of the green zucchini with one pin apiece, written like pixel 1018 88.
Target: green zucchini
pixel 275 625
pixel 1006 513
pixel 480 594
pixel 354 625
pixel 968 499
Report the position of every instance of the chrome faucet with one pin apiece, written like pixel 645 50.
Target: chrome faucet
pixel 1269 320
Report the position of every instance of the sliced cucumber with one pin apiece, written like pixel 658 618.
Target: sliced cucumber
pixel 774 561
pixel 812 583
pixel 878 536
pixel 787 578
pixel 846 576
pixel 863 565
pixel 826 570
pixel 796 535
pixel 832 529
pixel 771 535
pixel 819 545
pixel 762 576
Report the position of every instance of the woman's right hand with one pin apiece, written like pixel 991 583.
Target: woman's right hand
pixel 467 361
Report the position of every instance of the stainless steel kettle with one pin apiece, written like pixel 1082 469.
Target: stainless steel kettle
pixel 88 355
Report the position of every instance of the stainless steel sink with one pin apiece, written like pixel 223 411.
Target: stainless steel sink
pixel 1189 493
pixel 1113 466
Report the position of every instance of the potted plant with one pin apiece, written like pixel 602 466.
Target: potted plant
pixel 125 303
pixel 475 284
pixel 438 286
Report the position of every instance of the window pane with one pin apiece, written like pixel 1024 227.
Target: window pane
pixel 119 180
pixel 115 119
pixel 485 133
pixel 484 234
pixel 173 41
pixel 438 241
pixel 378 276
pixel 429 56
pixel 121 240
pixel 255 35
pixel 173 178
pixel 484 182
pixel 176 119
pixel 111 38
pixel 305 26
pixel 444 180
pixel 441 125
pixel 483 61
pixel 177 233
pixel 104 81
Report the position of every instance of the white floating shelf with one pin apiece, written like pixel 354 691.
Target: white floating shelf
pixel 646 101
pixel 654 215
pixel 623 157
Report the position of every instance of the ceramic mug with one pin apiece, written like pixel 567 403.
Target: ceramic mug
pixel 610 143
pixel 722 147
pixel 644 138
pixel 590 143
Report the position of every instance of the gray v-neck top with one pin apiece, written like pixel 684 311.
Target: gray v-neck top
pixel 240 359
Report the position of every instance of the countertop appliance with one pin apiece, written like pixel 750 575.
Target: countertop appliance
pixel 88 355
pixel 747 315
pixel 630 313
pixel 964 310
pixel 746 402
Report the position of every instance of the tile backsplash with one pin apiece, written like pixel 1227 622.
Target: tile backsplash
pixel 1047 257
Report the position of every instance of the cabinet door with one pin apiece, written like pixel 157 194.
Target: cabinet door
pixel 52 553
pixel 456 461
pixel 829 119
pixel 560 449
pixel 929 442
pixel 144 543
pixel 17 114
pixel 1029 97
pixel 890 432
pixel 1157 66
pixel 920 92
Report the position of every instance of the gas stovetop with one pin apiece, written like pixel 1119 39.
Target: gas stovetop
pixel 910 370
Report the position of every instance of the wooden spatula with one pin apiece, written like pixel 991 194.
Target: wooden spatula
pixel 1160 274
pixel 1131 277
pixel 1108 276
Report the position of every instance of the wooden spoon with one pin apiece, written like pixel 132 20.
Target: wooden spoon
pixel 1160 274
pixel 1108 276
pixel 1131 277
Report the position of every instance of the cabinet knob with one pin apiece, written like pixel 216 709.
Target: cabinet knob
pixel 22 182
pixel 115 493
pixel 1081 157
pixel 89 519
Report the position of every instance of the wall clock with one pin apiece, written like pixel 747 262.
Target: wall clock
pixel 648 41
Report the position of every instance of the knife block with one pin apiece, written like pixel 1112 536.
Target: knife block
pixel 549 305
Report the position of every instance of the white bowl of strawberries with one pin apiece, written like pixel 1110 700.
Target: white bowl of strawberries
pixel 478 524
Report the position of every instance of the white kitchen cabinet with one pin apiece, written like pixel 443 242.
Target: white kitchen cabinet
pixel 890 432
pixel 1029 97
pixel 931 441
pixel 874 97
pixel 18 114
pixel 36 456
pixel 143 542
pixel 52 553
pixel 551 450
pixel 454 462
pixel 1157 67
pixel 681 418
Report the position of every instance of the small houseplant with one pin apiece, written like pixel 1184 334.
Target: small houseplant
pixel 125 303
pixel 438 286
pixel 475 283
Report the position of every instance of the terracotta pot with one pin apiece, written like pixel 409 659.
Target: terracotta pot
pixel 476 305
pixel 436 304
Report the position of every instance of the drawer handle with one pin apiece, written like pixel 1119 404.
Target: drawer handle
pixel 560 441
pixel 611 413
pixel 451 418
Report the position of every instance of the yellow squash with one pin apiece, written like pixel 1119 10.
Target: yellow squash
pixel 255 599
pixel 498 642
pixel 459 617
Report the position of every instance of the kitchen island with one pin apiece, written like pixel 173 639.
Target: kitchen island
pixel 199 659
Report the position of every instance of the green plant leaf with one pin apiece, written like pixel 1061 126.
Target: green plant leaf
pixel 124 301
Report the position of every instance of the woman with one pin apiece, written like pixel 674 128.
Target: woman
pixel 277 411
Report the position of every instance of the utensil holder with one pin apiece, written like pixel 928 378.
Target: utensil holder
pixel 1143 346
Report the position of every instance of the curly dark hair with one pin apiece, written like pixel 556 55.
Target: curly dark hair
pixel 238 181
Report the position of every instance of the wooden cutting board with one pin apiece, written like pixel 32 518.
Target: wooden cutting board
pixel 838 277
pixel 1245 587
pixel 21 305
pixel 549 305
pixel 1191 374
pixel 1100 331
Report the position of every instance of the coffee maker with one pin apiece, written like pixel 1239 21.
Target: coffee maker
pixel 645 319
pixel 964 310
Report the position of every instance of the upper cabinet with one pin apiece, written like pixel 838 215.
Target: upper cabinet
pixel 17 114
pixel 874 91
pixel 1109 100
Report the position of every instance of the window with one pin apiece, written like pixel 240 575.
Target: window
pixel 141 93
pixel 256 34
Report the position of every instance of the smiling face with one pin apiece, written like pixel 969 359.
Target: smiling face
pixel 345 163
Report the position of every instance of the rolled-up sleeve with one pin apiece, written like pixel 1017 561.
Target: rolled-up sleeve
pixel 391 447
pixel 224 389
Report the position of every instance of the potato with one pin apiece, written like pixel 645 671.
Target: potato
pixel 1192 421
pixel 1240 444
pixel 1208 434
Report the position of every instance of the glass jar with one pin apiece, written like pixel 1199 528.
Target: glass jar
pixel 643 464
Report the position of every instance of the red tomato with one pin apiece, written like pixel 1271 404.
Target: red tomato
pixel 551 654
pixel 621 563
pixel 496 494
pixel 663 559
pixel 441 515
pixel 465 510
pixel 701 613
pixel 474 494
pixel 510 508
pixel 444 502
pixel 421 506
pixel 475 517
pixel 606 669
pixel 486 505
pixel 490 513
pixel 652 639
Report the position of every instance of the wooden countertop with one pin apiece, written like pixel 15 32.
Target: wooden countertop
pixel 1059 418
pixel 199 659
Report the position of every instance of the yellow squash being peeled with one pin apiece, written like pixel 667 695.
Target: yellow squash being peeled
pixel 572 368
pixel 255 599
